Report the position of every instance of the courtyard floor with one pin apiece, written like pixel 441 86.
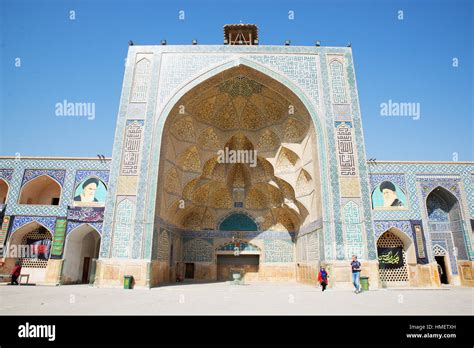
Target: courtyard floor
pixel 228 299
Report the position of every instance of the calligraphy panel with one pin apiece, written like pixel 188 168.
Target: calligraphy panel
pixel 345 148
pixel 131 148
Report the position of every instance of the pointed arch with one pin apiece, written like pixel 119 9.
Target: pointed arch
pixel 82 244
pixel 408 244
pixel 4 189
pixel 17 234
pixel 171 100
pixel 140 82
pixel 441 199
pixel 42 190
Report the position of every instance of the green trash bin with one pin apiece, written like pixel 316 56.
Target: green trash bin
pixel 127 281
pixel 364 283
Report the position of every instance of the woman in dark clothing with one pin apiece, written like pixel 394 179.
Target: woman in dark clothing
pixel 323 278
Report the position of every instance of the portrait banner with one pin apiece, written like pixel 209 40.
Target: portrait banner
pixel 90 192
pixel 388 195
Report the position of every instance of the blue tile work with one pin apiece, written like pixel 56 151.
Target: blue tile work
pixel 382 226
pixel 46 221
pixel 303 69
pixel 142 243
pixel 398 179
pixel 447 244
pixel 6 174
pixel 30 174
pixel 335 242
pixel 156 143
pixel 122 238
pixel 420 180
pixel 83 174
pixel 63 170
pixel 176 69
pixel 239 234
pixel 430 182
pixel 242 246
pixel 437 209
pixel 360 146
pixel 423 172
pixel 198 250
pixel 353 231
pixel 110 202
pixel 71 225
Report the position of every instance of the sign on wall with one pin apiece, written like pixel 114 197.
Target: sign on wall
pixel 390 257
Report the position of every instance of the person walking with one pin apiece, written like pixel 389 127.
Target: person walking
pixel 323 277
pixel 16 273
pixel 356 268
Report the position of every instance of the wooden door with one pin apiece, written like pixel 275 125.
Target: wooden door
pixel 85 270
pixel 189 272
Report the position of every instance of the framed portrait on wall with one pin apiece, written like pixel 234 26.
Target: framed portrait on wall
pixel 388 195
pixel 90 192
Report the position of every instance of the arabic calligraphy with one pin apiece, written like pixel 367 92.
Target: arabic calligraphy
pixel 390 258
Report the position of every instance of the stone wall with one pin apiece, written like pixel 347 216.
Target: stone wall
pixel 110 272
pixel 307 273
pixel 466 272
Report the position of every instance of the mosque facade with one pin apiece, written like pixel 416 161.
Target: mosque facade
pixel 238 158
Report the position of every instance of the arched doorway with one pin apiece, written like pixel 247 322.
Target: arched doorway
pixel 31 245
pixel 80 253
pixel 445 220
pixel 3 191
pixel 42 190
pixel 395 250
pixel 238 153
pixel 442 260
pixel 238 256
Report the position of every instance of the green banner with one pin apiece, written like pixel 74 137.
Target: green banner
pixel 4 229
pixel 59 237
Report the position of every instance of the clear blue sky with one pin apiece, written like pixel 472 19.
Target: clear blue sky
pixel 83 61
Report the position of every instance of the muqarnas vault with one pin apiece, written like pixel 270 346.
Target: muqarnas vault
pixel 166 206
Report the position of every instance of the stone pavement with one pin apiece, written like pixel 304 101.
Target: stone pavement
pixel 227 299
